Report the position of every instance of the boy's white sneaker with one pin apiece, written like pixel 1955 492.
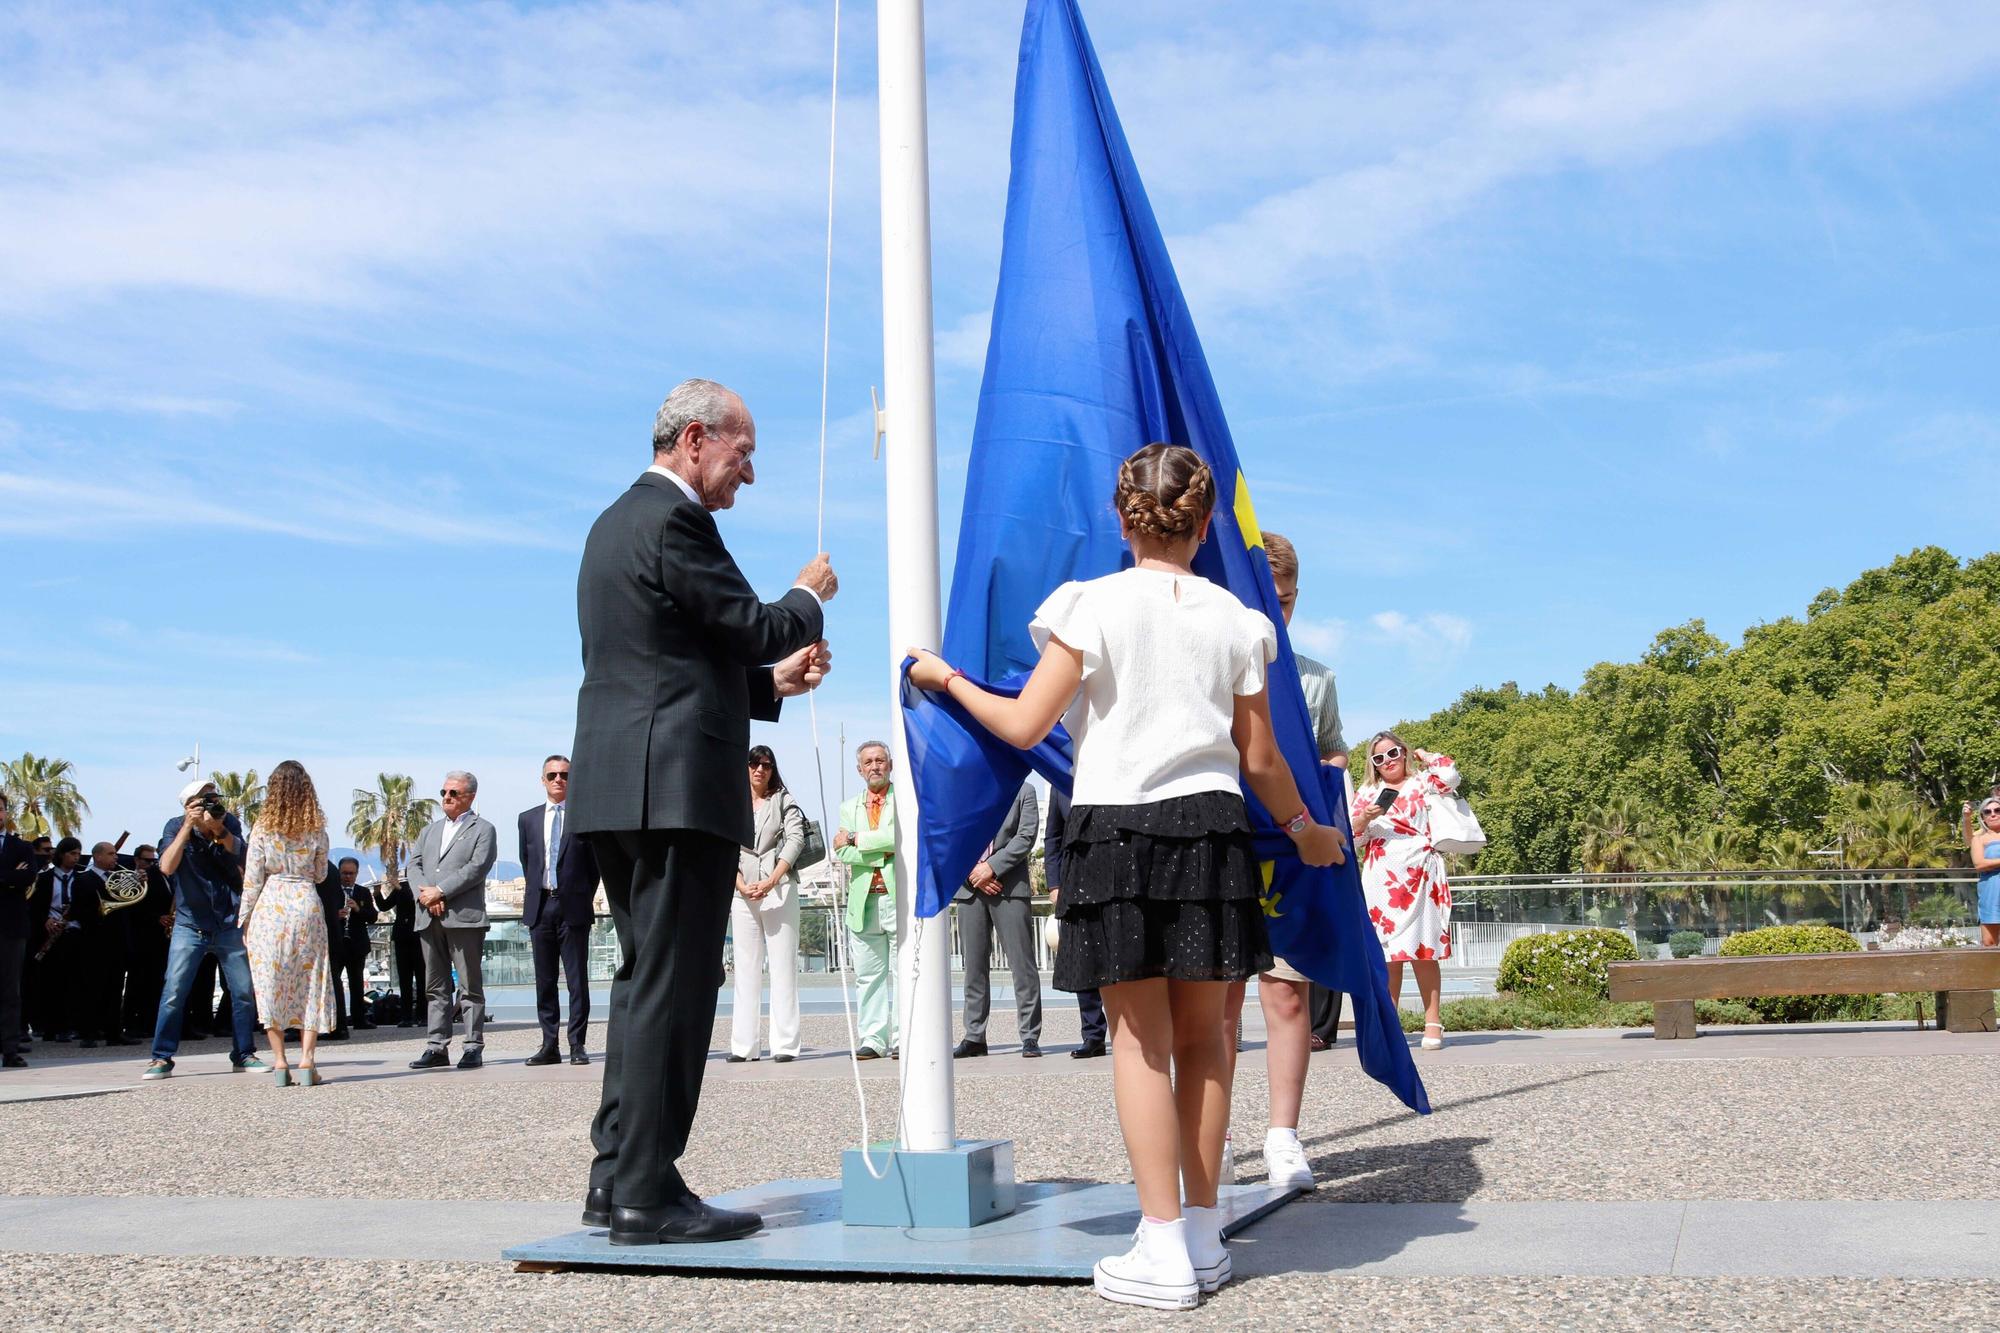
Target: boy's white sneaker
pixel 1156 1272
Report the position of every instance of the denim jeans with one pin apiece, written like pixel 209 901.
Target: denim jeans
pixel 184 954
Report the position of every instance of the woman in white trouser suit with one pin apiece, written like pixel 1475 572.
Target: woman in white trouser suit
pixel 764 919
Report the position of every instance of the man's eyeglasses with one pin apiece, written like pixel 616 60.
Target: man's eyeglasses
pixel 561 775
pixel 451 791
pixel 1388 756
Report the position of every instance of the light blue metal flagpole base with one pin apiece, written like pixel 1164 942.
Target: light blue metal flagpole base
pixel 964 1187
pixel 1056 1233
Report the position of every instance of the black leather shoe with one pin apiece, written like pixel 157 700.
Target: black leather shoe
pixel 690 1222
pixel 579 1058
pixel 1031 1049
pixel 597 1207
pixel 13 1062
pixel 1090 1050
pixel 733 1058
pixel 341 1034
pixel 432 1058
pixel 967 1049
pixel 868 1053
pixel 471 1060
pixel 783 1059
pixel 548 1055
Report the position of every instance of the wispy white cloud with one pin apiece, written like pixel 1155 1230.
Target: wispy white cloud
pixel 1429 633
pixel 1320 638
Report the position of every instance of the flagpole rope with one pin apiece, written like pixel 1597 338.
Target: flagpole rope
pixel 819 544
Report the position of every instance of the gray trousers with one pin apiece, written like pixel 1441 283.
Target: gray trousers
pixel 979 917
pixel 447 948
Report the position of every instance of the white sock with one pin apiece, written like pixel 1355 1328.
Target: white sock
pixel 1290 1136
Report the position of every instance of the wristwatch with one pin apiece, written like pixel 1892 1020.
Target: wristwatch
pixel 1298 823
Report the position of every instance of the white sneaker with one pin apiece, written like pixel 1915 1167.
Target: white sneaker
pixel 1285 1162
pixel 1206 1249
pixel 1226 1173
pixel 1155 1272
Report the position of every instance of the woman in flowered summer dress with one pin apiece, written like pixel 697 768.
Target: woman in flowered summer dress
pixel 284 931
pixel 1402 874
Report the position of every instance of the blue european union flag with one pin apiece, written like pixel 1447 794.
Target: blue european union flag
pixel 1093 355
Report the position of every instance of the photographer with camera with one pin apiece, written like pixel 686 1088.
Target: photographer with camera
pixel 202 853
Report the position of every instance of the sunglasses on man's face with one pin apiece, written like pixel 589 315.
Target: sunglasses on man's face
pixel 1388 756
pixel 451 791
pixel 560 775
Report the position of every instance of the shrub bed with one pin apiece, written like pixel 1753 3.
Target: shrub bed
pixel 1564 963
pixel 1800 939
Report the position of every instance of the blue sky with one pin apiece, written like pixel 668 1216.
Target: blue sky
pixel 326 331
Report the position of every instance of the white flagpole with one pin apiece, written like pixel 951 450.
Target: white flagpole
pixel 909 386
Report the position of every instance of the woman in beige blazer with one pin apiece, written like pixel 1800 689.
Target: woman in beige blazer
pixel 764 918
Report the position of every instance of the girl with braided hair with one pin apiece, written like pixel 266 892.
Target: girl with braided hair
pixel 1159 676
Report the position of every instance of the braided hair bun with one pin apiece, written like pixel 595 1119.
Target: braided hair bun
pixel 1164 492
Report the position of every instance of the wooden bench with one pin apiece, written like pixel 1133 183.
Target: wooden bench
pixel 1962 979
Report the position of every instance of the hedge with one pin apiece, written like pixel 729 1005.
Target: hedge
pixel 1800 939
pixel 1564 962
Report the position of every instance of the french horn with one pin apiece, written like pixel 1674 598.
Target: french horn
pixel 124 887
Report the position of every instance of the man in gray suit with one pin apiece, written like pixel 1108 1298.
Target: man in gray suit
pixel 448 870
pixel 999 897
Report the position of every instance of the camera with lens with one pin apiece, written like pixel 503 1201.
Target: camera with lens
pixel 214 806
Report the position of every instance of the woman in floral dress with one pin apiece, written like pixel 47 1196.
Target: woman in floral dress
pixel 1402 874
pixel 284 931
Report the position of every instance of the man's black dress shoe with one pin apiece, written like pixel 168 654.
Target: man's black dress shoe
pixel 968 1048
pixel 735 1059
pixel 14 1062
pixel 471 1060
pixel 783 1059
pixel 432 1058
pixel 548 1055
pixel 597 1207
pixel 1031 1049
pixel 578 1058
pixel 338 1034
pixel 1089 1050
pixel 690 1222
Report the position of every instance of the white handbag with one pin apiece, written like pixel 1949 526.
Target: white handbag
pixel 1454 828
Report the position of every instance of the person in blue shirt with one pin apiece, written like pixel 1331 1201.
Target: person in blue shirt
pixel 1982 843
pixel 201 854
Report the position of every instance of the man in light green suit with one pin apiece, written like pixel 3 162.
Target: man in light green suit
pixel 866 844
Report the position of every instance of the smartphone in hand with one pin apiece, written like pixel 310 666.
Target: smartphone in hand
pixel 1386 798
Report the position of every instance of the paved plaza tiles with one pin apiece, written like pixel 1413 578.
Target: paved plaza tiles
pixel 1833 1177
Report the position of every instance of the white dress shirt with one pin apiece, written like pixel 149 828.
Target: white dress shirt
pixel 451 828
pixel 550 849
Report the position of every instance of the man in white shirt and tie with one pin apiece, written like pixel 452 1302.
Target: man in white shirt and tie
pixel 55 952
pixel 557 907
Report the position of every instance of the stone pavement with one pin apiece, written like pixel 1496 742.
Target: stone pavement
pixel 1755 1178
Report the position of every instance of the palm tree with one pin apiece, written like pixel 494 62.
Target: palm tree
pixel 44 796
pixel 242 793
pixel 1904 835
pixel 389 817
pixel 1614 837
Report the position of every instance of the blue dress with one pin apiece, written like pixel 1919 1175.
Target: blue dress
pixel 1989 889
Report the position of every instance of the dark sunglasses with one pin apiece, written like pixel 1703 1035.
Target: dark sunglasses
pixel 561 775
pixel 1990 810
pixel 1387 756
pixel 451 791
pixel 760 763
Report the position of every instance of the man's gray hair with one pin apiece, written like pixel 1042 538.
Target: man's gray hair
pixel 866 746
pixel 692 400
pixel 471 783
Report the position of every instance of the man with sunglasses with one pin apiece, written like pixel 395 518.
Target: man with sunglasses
pixel 556 909
pixel 448 869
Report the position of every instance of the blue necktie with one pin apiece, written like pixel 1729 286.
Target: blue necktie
pixel 555 847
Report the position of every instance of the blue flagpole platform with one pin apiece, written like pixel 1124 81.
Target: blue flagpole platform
pixel 1056 1233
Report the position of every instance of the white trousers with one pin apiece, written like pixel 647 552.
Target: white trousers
pixel 760 930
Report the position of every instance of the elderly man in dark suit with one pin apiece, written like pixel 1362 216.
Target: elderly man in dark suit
pixel 677 660
pixel 999 896
pixel 556 907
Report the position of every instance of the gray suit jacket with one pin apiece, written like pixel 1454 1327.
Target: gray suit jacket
pixel 459 873
pixel 1013 845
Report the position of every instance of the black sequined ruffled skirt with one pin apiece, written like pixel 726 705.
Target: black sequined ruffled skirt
pixel 1169 889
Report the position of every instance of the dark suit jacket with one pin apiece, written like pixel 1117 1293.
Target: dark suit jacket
pixel 576 872
pixel 331 895
pixel 17 881
pixel 362 916
pixel 143 932
pixel 676 662
pixel 403 903
pixel 1055 837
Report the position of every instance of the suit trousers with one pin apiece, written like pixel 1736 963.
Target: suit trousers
pixel 449 948
pixel 756 931
pixel 57 984
pixel 669 891
pixel 1326 1005
pixel 143 983
pixel 555 941
pixel 409 972
pixel 1014 918
pixel 103 1013
pixel 1090 1004
pixel 13 963
pixel 875 976
pixel 355 963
